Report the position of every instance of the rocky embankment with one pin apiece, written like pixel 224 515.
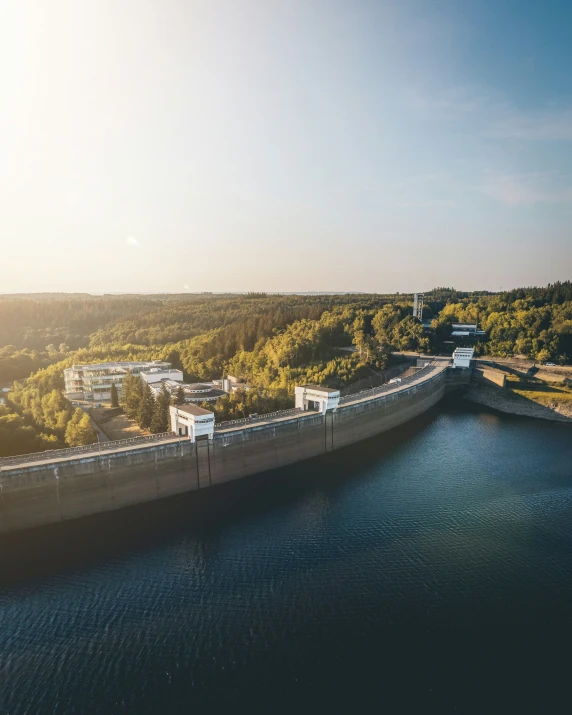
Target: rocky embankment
pixel 508 401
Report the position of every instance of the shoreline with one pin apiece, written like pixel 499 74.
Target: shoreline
pixel 507 402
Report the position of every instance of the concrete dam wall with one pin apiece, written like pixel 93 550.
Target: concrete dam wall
pixel 50 490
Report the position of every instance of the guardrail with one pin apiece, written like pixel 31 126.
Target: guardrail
pixel 261 418
pixel 374 391
pixel 87 449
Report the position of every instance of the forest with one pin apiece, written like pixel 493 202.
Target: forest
pixel 271 341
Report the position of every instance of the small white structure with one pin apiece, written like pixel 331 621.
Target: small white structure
pixel 462 357
pixel 157 374
pixel 464 330
pixel 192 422
pixel 230 384
pixel 317 397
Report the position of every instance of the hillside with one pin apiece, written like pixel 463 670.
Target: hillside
pixel 272 341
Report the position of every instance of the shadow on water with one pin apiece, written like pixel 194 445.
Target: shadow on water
pixel 83 542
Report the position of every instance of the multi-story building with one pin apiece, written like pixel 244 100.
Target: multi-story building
pixel 93 382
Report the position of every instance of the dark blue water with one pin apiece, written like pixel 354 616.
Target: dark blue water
pixel 428 570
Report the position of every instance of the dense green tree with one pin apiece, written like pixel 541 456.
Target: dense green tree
pixel 146 406
pixel 79 430
pixel 179 397
pixel 17 437
pixel 56 411
pixel 131 393
pixel 114 396
pixel 408 335
pixel 160 420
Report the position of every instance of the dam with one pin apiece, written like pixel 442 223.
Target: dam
pixel 66 484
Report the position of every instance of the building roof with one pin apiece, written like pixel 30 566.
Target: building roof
pixel 208 395
pixel 194 410
pixel 169 384
pixel 121 365
pixel 205 393
pixel 197 387
pixel 319 388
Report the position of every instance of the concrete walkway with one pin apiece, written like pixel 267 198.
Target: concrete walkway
pixel 406 384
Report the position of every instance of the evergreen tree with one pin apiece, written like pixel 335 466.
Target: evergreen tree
pixel 131 395
pixel 126 390
pixel 146 406
pixel 114 396
pixel 160 421
pixel 179 396
pixel 79 430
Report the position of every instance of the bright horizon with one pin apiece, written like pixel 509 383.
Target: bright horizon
pixel 285 147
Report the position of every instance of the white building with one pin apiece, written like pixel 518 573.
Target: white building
pixel 192 421
pixel 93 382
pixel 462 357
pixel 157 374
pixel 316 397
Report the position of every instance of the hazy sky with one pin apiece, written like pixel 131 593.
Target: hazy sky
pixel 172 145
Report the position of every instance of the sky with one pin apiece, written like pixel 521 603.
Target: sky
pixel 273 145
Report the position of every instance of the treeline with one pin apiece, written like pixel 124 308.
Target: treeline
pixel 553 294
pixel 251 316
pixel 18 364
pixel 36 322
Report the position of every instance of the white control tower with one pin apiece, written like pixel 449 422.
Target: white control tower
pixel 418 306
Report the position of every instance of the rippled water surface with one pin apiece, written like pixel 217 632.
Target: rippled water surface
pixel 427 570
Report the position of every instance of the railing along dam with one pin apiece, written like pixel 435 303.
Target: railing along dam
pixel 65 484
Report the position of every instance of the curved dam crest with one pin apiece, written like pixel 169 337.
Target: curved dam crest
pixel 68 487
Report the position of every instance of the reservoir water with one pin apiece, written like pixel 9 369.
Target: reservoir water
pixel 427 570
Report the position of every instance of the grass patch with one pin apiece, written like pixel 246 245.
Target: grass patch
pixel 542 392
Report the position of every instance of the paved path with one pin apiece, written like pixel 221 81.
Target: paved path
pixel 405 384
